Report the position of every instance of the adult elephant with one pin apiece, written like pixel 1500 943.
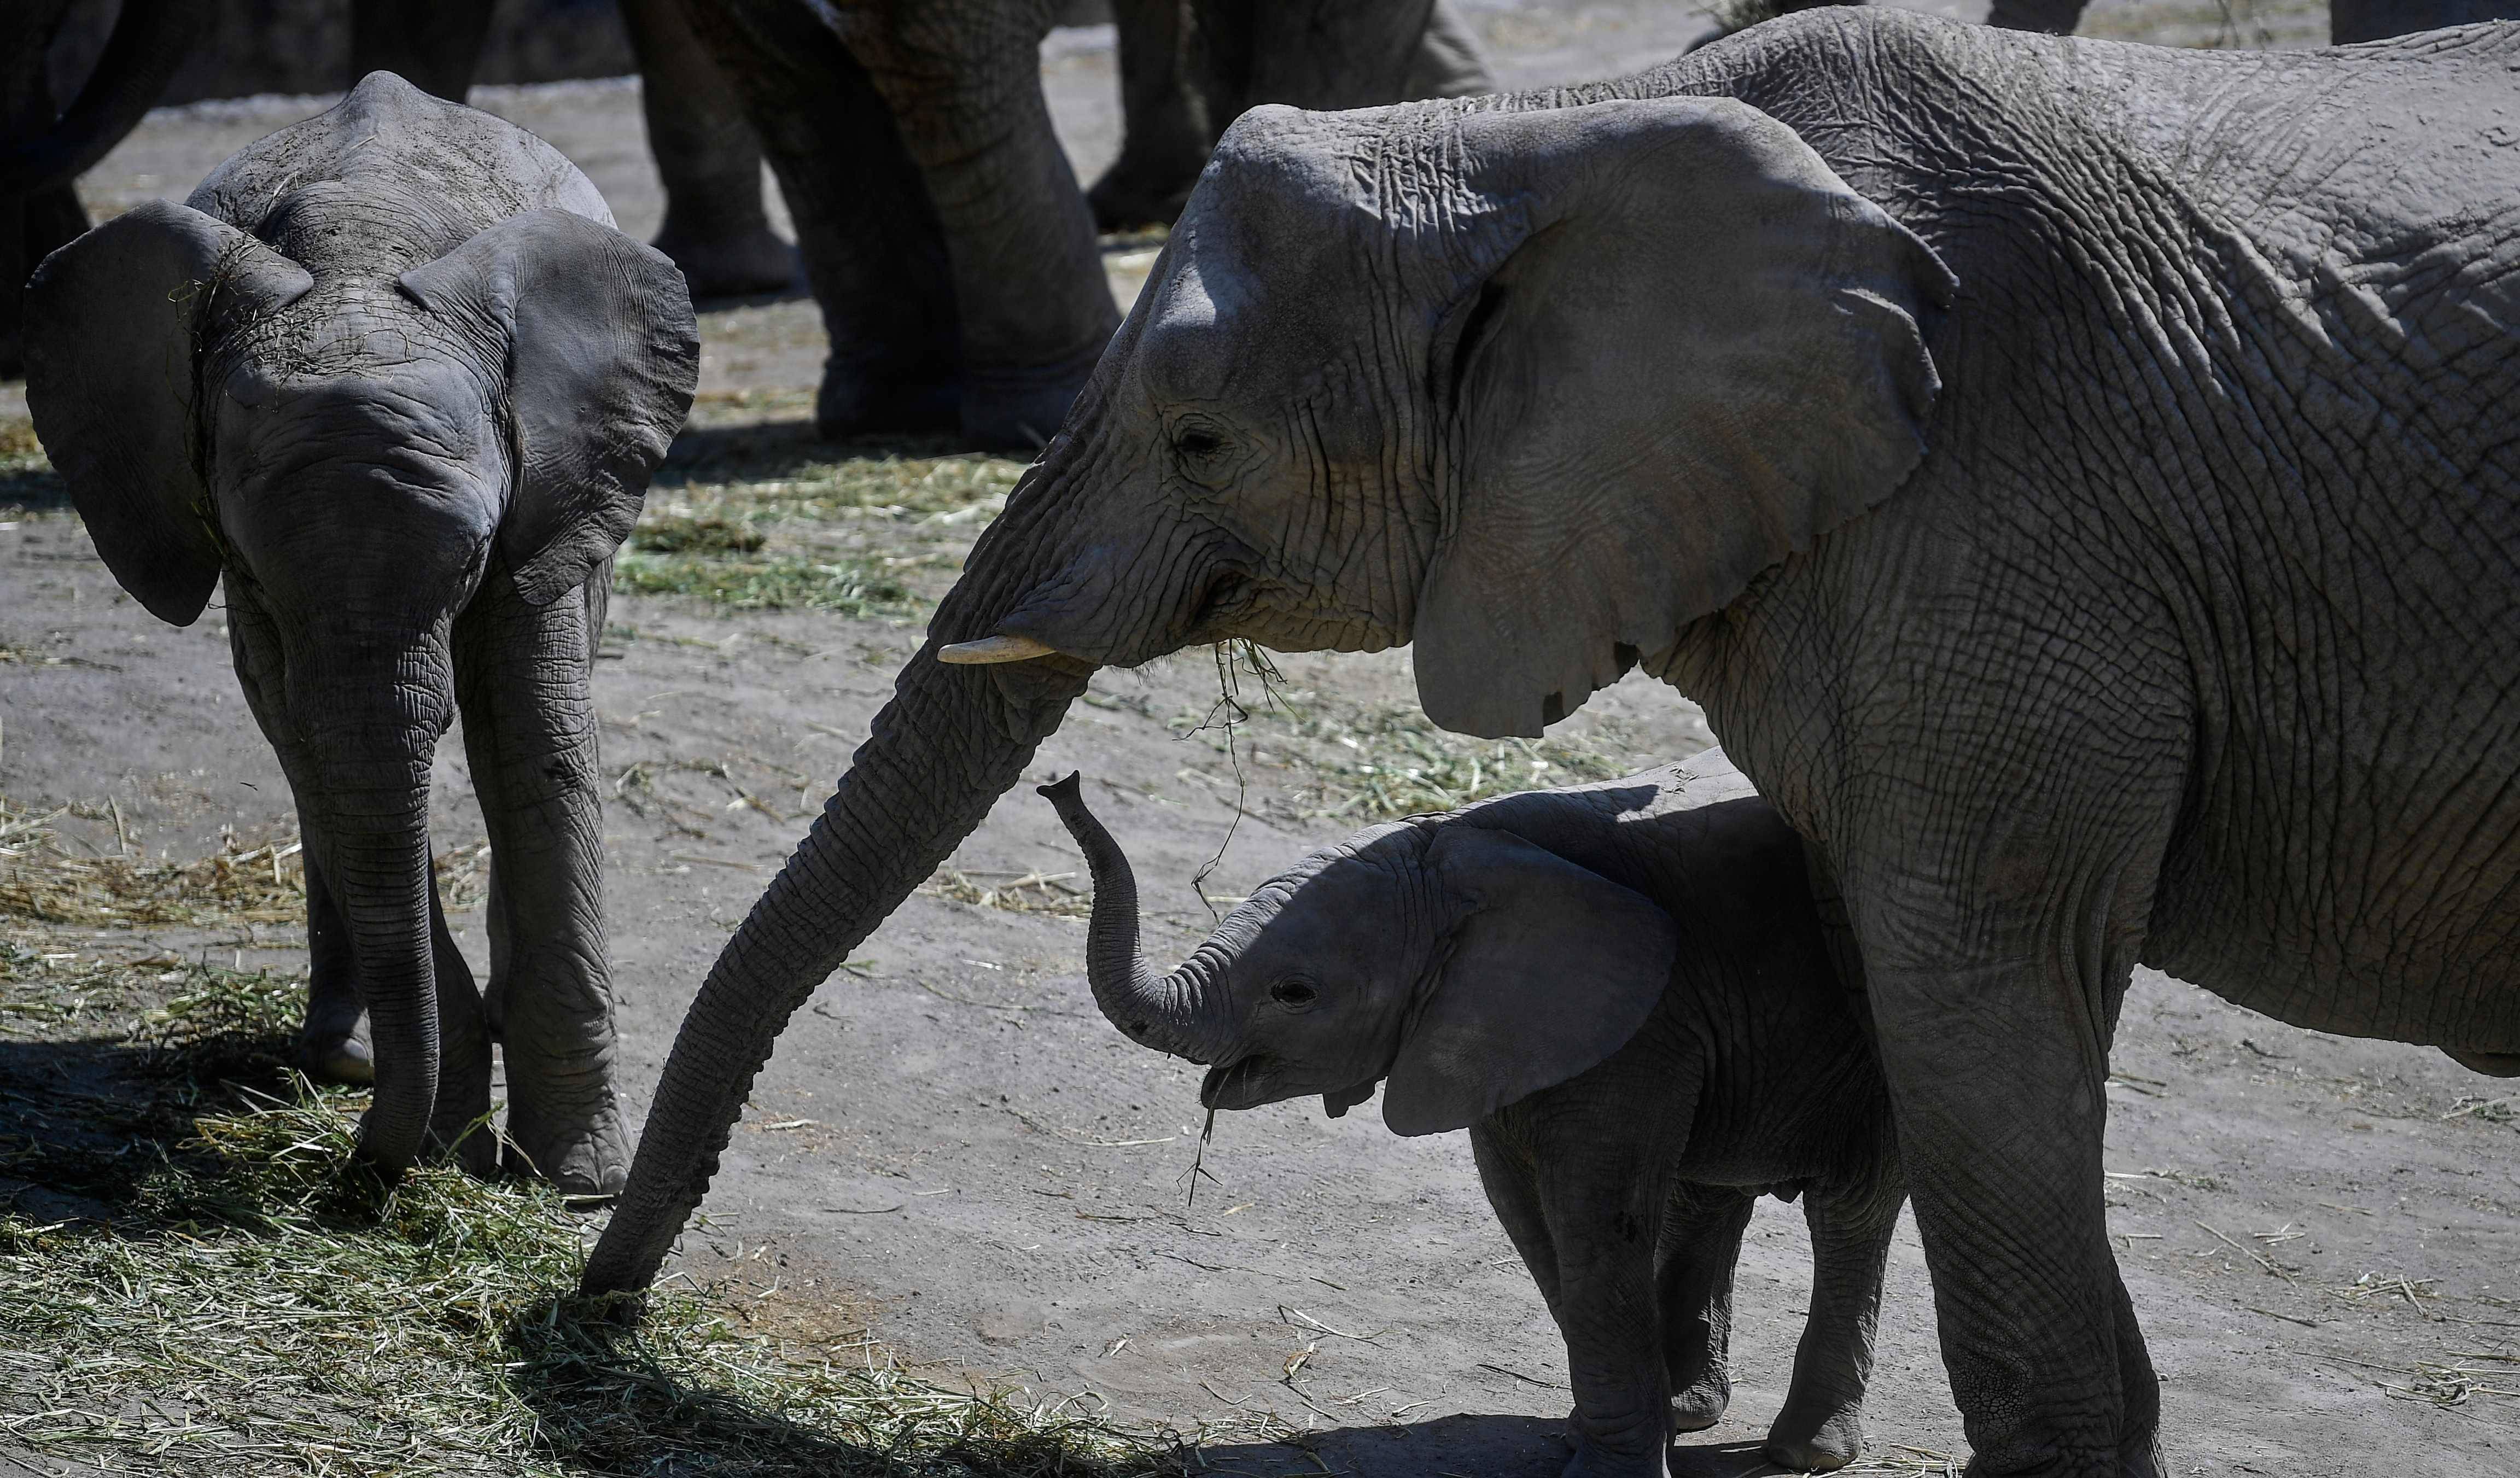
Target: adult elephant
pixel 942 229
pixel 2348 20
pixel 2072 477
pixel 716 229
pixel 1188 68
pixel 392 379
pixel 44 148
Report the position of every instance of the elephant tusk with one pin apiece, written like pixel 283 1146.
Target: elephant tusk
pixel 995 650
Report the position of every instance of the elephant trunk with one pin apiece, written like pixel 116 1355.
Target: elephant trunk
pixel 949 744
pixel 151 39
pixel 1170 1012
pixel 372 813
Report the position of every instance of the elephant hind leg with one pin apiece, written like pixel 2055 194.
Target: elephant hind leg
pixel 1821 1429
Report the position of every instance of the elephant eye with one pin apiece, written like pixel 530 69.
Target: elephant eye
pixel 1197 443
pixel 1293 993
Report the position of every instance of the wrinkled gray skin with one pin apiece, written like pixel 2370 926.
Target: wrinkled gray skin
pixel 1624 992
pixel 942 229
pixel 2072 477
pixel 44 148
pixel 2348 20
pixel 715 230
pixel 1189 68
pixel 392 374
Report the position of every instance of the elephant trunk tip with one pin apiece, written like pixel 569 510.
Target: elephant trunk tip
pixel 1063 793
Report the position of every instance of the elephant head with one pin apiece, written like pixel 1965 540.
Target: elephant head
pixel 1467 965
pixel 357 441
pixel 1533 389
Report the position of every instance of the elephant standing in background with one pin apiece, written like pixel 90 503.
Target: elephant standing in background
pixel 1188 68
pixel 2074 479
pixel 942 226
pixel 393 376
pixel 2348 20
pixel 715 228
pixel 44 149
pixel 1624 992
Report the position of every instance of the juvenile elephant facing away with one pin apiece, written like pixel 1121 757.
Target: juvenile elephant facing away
pixel 392 375
pixel 2074 480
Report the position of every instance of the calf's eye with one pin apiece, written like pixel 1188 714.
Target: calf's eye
pixel 1292 993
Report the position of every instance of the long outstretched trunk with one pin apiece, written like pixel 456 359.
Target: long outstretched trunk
pixel 948 744
pixel 1172 1011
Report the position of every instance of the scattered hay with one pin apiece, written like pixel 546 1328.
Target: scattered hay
pixel 1903 1462
pixel 26 477
pixel 675 534
pixel 2505 1110
pixel 2413 1291
pixel 254 1303
pixel 858 587
pixel 1031 893
pixel 44 881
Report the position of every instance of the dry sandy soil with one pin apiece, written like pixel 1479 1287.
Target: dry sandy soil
pixel 952 1147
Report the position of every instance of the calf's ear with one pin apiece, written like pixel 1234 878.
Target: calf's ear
pixel 1680 349
pixel 114 323
pixel 602 354
pixel 1551 969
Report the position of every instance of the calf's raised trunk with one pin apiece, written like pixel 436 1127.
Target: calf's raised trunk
pixel 1176 1012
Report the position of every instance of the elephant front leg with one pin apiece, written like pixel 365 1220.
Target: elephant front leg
pixel 1701 1246
pixel 332 1043
pixel 711 164
pixel 529 730
pixel 1822 1426
pixel 1997 1071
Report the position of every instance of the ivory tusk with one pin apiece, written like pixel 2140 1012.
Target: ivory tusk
pixel 995 650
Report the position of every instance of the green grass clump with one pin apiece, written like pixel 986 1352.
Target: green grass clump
pixel 26 477
pixel 851 588
pixel 253 1301
pixel 679 535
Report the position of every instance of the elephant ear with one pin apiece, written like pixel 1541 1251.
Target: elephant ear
pixel 1551 968
pixel 113 320
pixel 1684 348
pixel 603 352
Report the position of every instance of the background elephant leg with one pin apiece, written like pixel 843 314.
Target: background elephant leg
pixel 1700 1247
pixel 2056 18
pixel 1033 305
pixel 434 45
pixel 1822 1425
pixel 1166 130
pixel 529 730
pixel 1448 64
pixel 458 1119
pixel 331 1047
pixel 873 252
pixel 715 228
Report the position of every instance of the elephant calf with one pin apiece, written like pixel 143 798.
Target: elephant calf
pixel 391 376
pixel 1624 992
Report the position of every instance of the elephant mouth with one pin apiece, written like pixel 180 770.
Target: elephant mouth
pixel 1241 1084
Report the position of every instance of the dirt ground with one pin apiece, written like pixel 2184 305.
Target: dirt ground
pixel 953 1148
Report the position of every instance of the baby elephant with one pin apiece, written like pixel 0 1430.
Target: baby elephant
pixel 1624 992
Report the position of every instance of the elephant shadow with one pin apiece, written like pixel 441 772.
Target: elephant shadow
pixel 1447 1446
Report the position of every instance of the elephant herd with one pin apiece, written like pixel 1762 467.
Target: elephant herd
pixel 2073 478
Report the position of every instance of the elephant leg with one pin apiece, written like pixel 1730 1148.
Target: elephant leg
pixel 1608 1312
pixel 1166 129
pixel 1995 1070
pixel 715 227
pixel 1701 1246
pixel 529 729
pixel 434 45
pixel 1033 307
pixel 333 1044
pixel 1448 64
pixel 873 252
pixel 1821 1429
pixel 460 1118
pixel 2056 18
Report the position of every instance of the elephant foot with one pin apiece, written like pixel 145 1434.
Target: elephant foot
pixel 1702 1404
pixel 868 401
pixel 1810 1440
pixel 730 264
pixel 585 1157
pixel 1020 410
pixel 338 1056
pixel 1132 204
